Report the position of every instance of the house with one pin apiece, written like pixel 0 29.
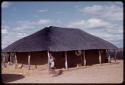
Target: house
pixel 69 46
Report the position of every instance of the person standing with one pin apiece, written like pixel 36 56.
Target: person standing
pixel 52 62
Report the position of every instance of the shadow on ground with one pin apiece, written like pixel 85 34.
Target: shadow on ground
pixel 11 77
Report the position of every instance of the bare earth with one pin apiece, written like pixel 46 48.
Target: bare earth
pixel 105 73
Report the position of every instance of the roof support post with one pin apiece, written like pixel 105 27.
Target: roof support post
pixel 100 59
pixel 109 57
pixel 29 58
pixel 15 61
pixel 10 59
pixel 48 54
pixel 66 63
pixel 115 55
pixel 4 59
pixel 11 55
pixel 84 58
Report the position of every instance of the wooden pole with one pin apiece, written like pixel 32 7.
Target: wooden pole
pixel 84 58
pixel 29 57
pixel 48 60
pixel 66 63
pixel 100 60
pixel 109 57
pixel 4 59
pixel 10 59
pixel 115 55
pixel 15 61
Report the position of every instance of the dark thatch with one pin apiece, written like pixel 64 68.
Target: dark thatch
pixel 58 39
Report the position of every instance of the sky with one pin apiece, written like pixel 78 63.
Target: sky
pixel 102 19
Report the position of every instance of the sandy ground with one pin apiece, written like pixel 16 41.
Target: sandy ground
pixel 105 73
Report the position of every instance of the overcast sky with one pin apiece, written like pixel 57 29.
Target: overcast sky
pixel 102 19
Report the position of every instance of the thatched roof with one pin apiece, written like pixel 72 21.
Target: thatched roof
pixel 58 39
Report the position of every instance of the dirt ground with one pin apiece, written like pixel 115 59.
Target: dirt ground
pixel 104 73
